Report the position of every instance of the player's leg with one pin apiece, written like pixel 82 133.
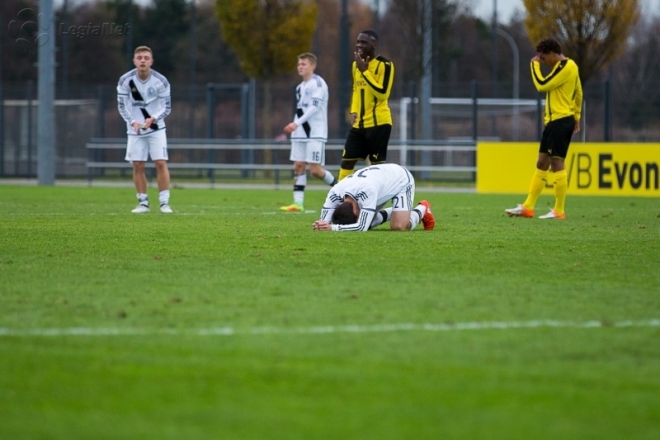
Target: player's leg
pixel 382 215
pixel 315 159
pixel 136 153
pixel 158 152
pixel 539 179
pixel 355 149
pixel 404 217
pixel 560 143
pixel 378 139
pixel 297 156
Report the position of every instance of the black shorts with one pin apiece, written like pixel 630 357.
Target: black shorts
pixel 557 137
pixel 367 142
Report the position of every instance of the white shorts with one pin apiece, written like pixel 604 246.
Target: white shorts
pixel 153 145
pixel 404 200
pixel 308 151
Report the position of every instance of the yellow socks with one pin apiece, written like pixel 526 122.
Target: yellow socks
pixel 561 186
pixel 536 187
pixel 344 173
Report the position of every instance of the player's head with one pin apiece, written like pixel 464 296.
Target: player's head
pixel 366 44
pixel 549 51
pixel 143 58
pixel 548 45
pixel 306 65
pixel 345 214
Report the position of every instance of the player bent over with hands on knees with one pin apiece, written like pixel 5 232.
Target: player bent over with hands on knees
pixel 143 99
pixel 309 131
pixel 356 202
pixel 563 108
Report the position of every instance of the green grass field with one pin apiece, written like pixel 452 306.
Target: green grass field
pixel 231 320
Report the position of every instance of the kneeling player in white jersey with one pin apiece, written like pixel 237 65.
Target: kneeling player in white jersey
pixel 143 97
pixel 356 203
pixel 309 131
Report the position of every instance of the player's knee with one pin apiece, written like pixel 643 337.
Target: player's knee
pixel 298 168
pixel 316 170
pixel 400 225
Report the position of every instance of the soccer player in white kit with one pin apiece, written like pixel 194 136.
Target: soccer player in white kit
pixel 356 202
pixel 143 99
pixel 309 131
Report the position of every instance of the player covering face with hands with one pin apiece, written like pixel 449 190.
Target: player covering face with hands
pixel 356 203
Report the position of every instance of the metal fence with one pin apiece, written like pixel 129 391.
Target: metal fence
pixel 239 112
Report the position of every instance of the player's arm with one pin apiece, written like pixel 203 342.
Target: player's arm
pixel 578 99
pixel 556 78
pixel 381 87
pixel 165 104
pixel 364 220
pixel 355 97
pixel 123 98
pixel 332 200
pixel 317 102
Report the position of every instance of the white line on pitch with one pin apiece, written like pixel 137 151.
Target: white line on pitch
pixel 378 328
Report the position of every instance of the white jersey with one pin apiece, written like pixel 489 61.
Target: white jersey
pixel 372 188
pixel 137 100
pixel 311 111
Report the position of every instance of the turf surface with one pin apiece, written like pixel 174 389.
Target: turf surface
pixel 230 319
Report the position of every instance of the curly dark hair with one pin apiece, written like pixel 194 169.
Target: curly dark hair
pixel 344 214
pixel 548 45
pixel 371 33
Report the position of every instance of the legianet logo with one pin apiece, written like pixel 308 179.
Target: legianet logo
pixel 28 31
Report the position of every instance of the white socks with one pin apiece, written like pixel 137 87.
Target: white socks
pixel 416 216
pixel 143 199
pixel 329 178
pixel 299 189
pixel 164 197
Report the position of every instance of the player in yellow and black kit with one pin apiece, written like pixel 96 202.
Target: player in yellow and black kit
pixel 371 120
pixel 563 108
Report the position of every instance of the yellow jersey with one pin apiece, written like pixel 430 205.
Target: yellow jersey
pixel 371 90
pixel 563 89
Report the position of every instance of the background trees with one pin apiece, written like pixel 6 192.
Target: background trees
pixel 593 33
pixel 603 38
pixel 267 37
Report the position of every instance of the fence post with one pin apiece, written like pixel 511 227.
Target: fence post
pixel 30 87
pixel 209 110
pixel 210 119
pixel 474 88
pixel 2 132
pixel 607 122
pixel 412 90
pixel 247 155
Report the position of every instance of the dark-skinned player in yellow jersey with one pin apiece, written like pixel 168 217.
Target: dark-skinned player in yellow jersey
pixel 563 108
pixel 371 119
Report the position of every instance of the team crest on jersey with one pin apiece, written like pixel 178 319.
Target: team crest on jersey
pixel 151 91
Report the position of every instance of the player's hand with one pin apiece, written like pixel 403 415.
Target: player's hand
pixel 576 129
pixel 321 225
pixel 536 58
pixel 353 118
pixel 148 122
pixel 361 64
pixel 290 128
pixel 136 127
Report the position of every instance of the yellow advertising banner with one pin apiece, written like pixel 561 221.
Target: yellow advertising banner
pixel 605 169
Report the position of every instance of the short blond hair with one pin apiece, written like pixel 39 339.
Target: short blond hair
pixel 308 56
pixel 142 49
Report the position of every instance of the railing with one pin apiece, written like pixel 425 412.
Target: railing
pixel 428 159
